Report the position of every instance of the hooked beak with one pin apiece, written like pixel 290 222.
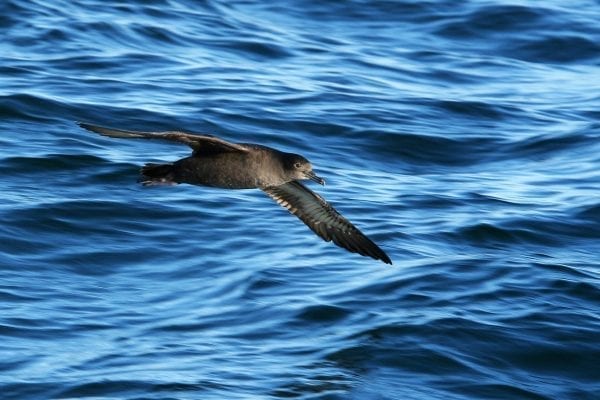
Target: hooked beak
pixel 313 177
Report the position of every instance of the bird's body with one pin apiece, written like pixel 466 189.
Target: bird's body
pixel 218 163
pixel 233 170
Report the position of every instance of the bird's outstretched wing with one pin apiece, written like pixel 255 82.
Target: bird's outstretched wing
pixel 324 220
pixel 199 143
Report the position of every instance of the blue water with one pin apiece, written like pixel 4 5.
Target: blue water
pixel 462 137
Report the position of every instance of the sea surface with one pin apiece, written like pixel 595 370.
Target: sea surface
pixel 461 136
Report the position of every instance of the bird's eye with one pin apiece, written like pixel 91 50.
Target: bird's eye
pixel 297 165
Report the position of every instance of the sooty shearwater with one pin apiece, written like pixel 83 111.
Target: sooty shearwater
pixel 218 163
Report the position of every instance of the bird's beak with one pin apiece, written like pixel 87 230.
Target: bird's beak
pixel 313 177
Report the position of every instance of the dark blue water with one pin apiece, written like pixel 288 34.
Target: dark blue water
pixel 463 137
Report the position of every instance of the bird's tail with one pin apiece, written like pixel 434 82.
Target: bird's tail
pixel 157 174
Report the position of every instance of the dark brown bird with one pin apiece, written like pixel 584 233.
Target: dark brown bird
pixel 218 163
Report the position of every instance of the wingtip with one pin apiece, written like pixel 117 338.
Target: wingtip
pixel 111 132
pixel 387 260
pixel 380 255
pixel 84 125
pixel 377 253
pixel 101 130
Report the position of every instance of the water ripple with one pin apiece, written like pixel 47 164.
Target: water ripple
pixel 462 138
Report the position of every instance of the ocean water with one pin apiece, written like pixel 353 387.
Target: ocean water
pixel 462 137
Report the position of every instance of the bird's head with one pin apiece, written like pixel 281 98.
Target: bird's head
pixel 300 168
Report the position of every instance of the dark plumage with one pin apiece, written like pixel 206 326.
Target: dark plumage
pixel 218 163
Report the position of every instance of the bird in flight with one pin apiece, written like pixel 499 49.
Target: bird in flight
pixel 218 163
